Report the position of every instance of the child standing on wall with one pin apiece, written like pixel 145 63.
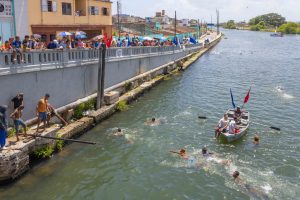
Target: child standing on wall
pixel 16 116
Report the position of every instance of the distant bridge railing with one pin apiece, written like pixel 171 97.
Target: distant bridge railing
pixel 60 58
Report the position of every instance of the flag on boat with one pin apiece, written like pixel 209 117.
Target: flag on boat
pixel 247 96
pixel 232 101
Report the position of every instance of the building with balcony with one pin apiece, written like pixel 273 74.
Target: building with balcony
pixel 7 28
pixel 48 17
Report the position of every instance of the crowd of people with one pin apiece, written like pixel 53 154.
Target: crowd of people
pixel 44 113
pixel 16 46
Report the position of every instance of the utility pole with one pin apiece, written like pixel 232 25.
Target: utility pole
pixel 199 29
pixel 103 73
pixel 119 12
pixel 211 27
pixel 175 23
pixel 175 26
pixel 218 22
pixel 99 87
pixel 101 76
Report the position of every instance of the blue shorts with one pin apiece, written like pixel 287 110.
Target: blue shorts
pixel 17 123
pixel 43 116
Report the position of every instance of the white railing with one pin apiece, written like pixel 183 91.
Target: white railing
pixel 63 57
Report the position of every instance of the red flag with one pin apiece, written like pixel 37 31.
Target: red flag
pixel 247 96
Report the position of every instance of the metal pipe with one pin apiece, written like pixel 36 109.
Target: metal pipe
pixel 14 17
pixel 99 97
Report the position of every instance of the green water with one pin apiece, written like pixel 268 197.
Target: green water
pixel 139 165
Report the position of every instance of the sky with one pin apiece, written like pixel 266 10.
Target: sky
pixel 238 10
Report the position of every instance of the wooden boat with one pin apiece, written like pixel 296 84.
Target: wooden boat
pixel 243 126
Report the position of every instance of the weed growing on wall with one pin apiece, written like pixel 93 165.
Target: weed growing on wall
pixel 122 106
pixel 45 152
pixel 59 144
pixel 81 108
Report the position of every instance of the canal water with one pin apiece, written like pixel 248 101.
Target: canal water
pixel 140 166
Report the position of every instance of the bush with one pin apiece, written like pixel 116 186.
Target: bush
pixel 79 110
pixel 289 28
pixel 45 152
pixel 122 106
pixel 59 144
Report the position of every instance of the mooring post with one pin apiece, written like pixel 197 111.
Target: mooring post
pixel 103 74
pixel 98 104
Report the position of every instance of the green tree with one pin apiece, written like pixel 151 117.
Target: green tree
pixel 260 26
pixel 230 25
pixel 290 28
pixel 271 19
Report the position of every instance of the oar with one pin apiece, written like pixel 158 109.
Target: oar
pixel 63 139
pixel 202 117
pixel 271 127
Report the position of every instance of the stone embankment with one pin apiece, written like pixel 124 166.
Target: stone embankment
pixel 15 160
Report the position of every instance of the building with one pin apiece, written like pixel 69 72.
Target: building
pixel 49 17
pixel 7 25
pixel 184 22
pixel 161 17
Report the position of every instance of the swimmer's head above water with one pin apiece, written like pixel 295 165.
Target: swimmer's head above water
pixel 236 174
pixel 119 130
pixel 182 152
pixel 153 119
pixel 204 150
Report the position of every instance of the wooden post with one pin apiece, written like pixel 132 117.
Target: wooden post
pixel 98 104
pixel 103 74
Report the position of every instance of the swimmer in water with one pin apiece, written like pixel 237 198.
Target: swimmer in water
pixel 254 192
pixel 206 154
pixel 152 122
pixel 119 132
pixel 256 140
pixel 182 153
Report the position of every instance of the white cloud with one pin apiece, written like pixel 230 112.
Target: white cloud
pixel 204 9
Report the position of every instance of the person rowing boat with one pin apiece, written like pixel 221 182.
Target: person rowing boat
pixel 222 126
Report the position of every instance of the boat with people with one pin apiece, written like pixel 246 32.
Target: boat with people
pixel 241 126
pixel 276 34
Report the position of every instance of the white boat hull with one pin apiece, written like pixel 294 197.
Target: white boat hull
pixel 245 122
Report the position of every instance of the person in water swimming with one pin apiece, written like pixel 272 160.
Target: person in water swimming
pixel 119 132
pixel 182 153
pixel 152 122
pixel 256 139
pixel 253 191
pixel 207 154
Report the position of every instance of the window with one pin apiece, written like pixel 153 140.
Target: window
pixel 49 3
pixel 94 10
pixel 105 11
pixel 66 9
pixel 48 6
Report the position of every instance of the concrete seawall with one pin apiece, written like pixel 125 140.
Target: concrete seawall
pixel 76 78
pixel 16 159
